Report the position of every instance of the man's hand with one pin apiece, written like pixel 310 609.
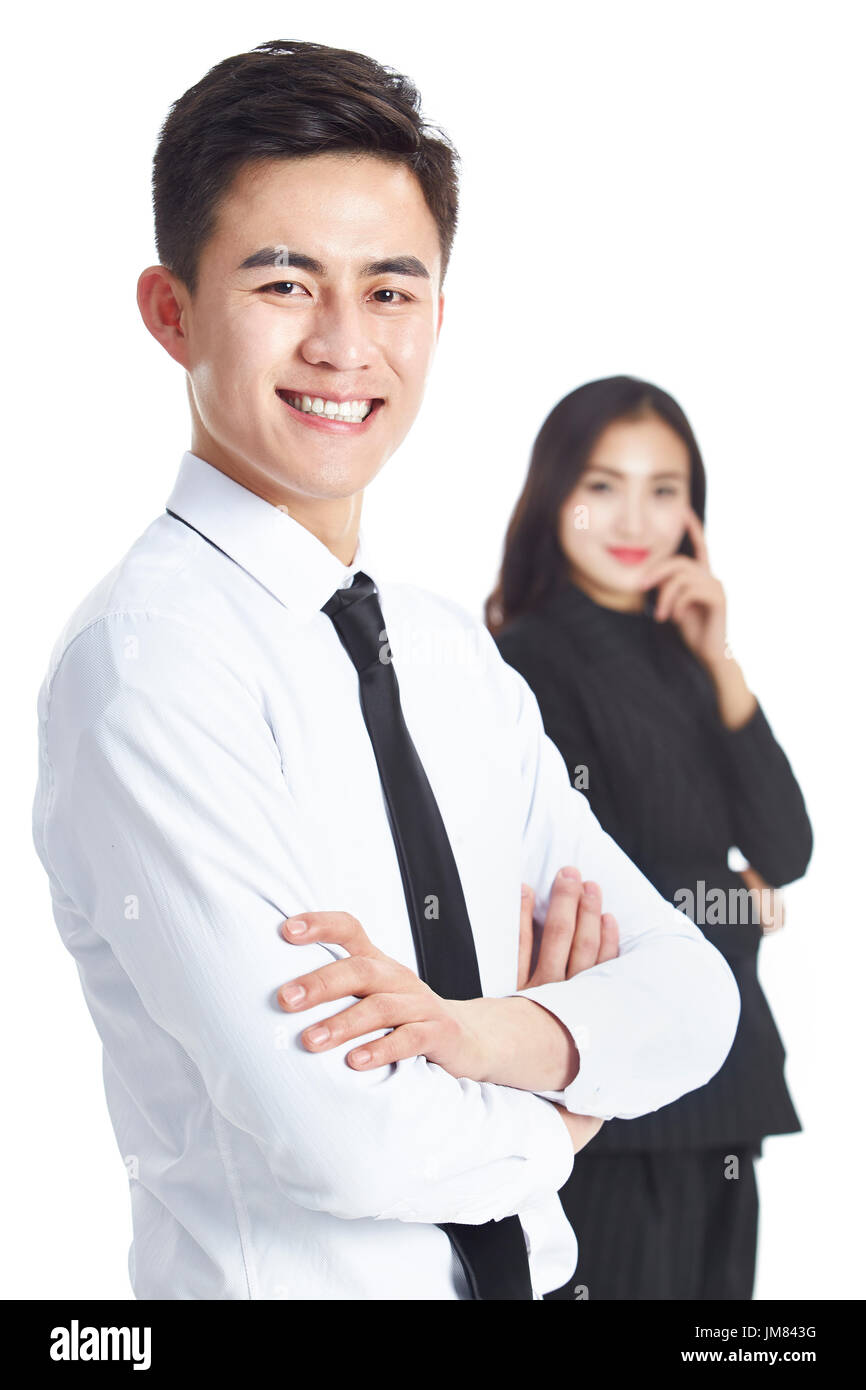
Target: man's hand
pixel 482 1039
pixel 576 935
pixel 391 996
pixel 526 1045
pixel 581 938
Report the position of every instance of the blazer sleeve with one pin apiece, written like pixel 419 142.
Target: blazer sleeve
pixel 566 724
pixel 768 813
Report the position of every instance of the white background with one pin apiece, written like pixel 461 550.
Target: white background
pixel 670 190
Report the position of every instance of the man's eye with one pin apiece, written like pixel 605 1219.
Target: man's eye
pixel 284 289
pixel 278 286
pixel 399 292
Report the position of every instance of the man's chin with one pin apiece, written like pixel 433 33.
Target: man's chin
pixel 334 479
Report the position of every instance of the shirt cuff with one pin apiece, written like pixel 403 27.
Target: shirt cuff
pixel 585 1095
pixel 554 1151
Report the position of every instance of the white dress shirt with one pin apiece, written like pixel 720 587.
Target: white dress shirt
pixel 205 772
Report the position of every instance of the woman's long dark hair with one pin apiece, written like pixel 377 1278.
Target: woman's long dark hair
pixel 533 563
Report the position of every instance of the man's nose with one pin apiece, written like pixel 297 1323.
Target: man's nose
pixel 338 336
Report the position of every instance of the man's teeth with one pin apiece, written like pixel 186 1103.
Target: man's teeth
pixel 339 410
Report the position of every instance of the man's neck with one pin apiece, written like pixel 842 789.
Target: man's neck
pixel 335 521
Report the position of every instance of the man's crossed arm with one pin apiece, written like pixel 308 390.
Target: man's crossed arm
pixel 511 1041
pixel 191 825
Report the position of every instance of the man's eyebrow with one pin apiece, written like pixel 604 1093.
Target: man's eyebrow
pixel 279 258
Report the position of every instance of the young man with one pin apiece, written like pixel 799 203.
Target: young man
pixel 220 752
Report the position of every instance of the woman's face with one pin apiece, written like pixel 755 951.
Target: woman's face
pixel 628 510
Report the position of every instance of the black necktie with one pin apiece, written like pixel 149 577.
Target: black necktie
pixel 493 1255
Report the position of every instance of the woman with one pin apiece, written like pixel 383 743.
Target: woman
pixel 607 605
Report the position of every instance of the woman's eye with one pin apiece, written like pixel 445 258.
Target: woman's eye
pixel 599 487
pixel 666 492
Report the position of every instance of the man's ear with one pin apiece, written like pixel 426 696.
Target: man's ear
pixel 161 300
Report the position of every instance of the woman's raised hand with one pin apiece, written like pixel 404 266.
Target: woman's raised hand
pixel 692 598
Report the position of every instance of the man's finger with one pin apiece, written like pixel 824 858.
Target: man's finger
pixel 421 1039
pixel 524 950
pixel 587 936
pixel 609 949
pixel 367 1016
pixel 559 927
pixel 337 928
pixel 342 979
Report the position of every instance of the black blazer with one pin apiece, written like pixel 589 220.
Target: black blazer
pixel 621 696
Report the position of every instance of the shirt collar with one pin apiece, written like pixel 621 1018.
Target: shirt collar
pixel 292 564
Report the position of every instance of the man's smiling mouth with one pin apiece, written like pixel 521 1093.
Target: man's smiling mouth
pixel 324 408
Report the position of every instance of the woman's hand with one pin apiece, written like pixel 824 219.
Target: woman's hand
pixel 769 900
pixel 692 598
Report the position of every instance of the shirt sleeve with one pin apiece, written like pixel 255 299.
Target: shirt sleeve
pixel 657 1021
pixel 164 826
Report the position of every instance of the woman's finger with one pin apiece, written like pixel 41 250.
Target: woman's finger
pixel 684 604
pixel 677 564
pixel 587 936
pixel 694 526
pixel 673 591
pixel 524 949
pixel 686 597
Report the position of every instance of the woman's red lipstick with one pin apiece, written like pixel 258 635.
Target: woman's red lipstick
pixel 626 555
